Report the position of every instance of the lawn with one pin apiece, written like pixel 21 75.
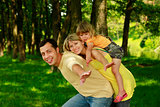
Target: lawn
pixel 28 84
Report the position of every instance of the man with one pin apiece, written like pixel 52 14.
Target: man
pixel 95 92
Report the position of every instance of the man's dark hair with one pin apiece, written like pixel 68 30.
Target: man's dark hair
pixel 51 41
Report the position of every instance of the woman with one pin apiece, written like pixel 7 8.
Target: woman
pixel 74 44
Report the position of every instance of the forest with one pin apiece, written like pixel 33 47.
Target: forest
pixel 24 23
pixel 133 24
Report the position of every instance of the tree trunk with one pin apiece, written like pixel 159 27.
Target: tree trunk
pixel 33 25
pixel 48 32
pixel 14 21
pixel 76 15
pixel 126 26
pixel 66 26
pixel 2 33
pixel 56 19
pixel 98 16
pixel 21 45
pixel 9 31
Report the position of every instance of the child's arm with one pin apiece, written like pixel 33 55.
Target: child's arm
pixel 98 56
pixel 88 52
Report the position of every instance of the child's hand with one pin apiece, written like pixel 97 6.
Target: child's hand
pixel 108 65
pixel 88 61
pixel 83 77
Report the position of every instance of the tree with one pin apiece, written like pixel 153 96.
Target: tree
pixel 76 15
pixel 66 26
pixel 2 18
pixel 34 24
pixel 21 42
pixel 9 29
pixel 126 25
pixel 14 21
pixel 98 16
pixel 56 18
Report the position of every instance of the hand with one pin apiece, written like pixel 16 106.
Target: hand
pixel 83 76
pixel 88 61
pixel 108 65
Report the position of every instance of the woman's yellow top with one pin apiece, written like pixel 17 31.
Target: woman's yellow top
pixel 128 79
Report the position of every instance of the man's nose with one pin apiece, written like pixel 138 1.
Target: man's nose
pixel 46 56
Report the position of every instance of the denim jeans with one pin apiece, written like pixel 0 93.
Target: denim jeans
pixel 82 101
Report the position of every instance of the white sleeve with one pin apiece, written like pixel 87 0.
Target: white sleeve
pixel 71 61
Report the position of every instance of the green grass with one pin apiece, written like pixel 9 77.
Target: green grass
pixel 146 73
pixel 28 84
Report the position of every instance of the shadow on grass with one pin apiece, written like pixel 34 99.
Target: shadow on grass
pixel 146 73
pixel 28 85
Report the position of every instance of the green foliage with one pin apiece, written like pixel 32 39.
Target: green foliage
pixel 28 85
pixel 151 42
pixel 86 9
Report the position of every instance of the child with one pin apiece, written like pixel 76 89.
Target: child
pixel 87 35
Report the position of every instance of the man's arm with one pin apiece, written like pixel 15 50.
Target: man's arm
pixel 77 69
pixel 81 72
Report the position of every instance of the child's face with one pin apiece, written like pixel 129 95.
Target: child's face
pixel 84 36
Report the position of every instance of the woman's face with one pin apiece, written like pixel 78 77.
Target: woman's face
pixel 76 46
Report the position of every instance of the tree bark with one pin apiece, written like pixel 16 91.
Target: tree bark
pixel 98 16
pixel 9 31
pixel 33 26
pixel 76 15
pixel 2 33
pixel 126 26
pixel 21 43
pixel 66 26
pixel 56 19
pixel 15 29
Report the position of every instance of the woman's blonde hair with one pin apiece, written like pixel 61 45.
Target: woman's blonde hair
pixel 70 37
pixel 84 27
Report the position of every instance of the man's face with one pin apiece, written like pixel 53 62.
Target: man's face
pixel 49 54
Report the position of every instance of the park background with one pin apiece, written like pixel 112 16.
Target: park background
pixel 26 80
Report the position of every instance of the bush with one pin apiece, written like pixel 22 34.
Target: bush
pixel 152 42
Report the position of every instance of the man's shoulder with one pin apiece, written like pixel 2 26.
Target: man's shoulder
pixel 68 54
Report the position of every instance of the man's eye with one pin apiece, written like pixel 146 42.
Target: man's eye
pixel 42 54
pixel 48 51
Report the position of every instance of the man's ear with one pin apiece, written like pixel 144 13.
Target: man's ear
pixel 57 49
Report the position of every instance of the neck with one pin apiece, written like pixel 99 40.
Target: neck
pixel 83 52
pixel 59 59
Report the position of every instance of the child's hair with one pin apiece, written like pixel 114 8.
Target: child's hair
pixel 85 27
pixel 70 37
